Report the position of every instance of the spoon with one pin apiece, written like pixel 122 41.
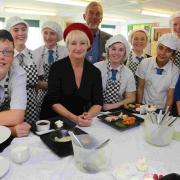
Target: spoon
pixel 102 144
pixel 74 137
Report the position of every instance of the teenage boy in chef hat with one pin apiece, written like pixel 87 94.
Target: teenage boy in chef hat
pixel 157 76
pixel 47 54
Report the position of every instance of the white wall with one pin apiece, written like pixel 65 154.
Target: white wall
pixel 35 38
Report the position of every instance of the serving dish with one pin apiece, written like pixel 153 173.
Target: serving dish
pixel 118 122
pixel 53 140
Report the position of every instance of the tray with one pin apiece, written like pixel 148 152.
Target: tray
pixel 60 148
pixel 117 124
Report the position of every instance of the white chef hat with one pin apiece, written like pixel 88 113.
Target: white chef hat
pixel 174 16
pixel 136 30
pixel 170 40
pixel 14 21
pixel 55 27
pixel 115 39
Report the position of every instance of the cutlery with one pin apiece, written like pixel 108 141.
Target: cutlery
pixel 174 119
pixel 74 137
pixel 102 144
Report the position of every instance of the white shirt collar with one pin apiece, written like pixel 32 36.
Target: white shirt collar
pixel 46 49
pixel 134 56
pixel 25 52
pixel 165 67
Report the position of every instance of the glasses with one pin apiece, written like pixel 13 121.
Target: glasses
pixel 7 53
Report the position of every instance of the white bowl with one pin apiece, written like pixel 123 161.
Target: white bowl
pixel 42 125
pixel 19 153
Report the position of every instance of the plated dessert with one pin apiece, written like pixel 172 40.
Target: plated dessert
pixel 142 109
pixel 121 119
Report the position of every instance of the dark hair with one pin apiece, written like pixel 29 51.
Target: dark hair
pixel 6 35
pixel 172 176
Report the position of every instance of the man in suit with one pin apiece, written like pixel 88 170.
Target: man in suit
pixel 93 16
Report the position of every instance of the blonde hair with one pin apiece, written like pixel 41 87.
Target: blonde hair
pixel 137 30
pixel 79 34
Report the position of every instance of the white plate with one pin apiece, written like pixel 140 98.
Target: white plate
pixel 4 133
pixel 4 166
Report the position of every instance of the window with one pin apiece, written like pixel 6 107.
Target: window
pixel 34 35
pixel 2 23
pixel 108 28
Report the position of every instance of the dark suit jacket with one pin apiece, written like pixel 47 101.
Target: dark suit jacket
pixel 103 38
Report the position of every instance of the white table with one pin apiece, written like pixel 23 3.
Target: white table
pixel 127 147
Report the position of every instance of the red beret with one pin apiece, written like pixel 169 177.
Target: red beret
pixel 80 27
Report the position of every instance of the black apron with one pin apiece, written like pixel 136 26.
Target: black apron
pixel 32 112
pixel 111 94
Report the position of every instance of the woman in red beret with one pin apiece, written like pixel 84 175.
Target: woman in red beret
pixel 75 85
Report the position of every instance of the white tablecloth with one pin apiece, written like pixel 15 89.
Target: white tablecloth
pixel 127 147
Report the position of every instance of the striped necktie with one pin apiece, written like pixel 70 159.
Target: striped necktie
pixel 114 72
pixel 50 56
pixel 20 57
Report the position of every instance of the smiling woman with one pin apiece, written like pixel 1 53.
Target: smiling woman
pixel 118 81
pixel 74 84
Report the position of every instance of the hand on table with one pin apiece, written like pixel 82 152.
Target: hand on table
pixel 21 130
pixel 84 119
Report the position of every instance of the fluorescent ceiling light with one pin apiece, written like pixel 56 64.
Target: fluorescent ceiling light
pixel 28 11
pixel 68 2
pixel 113 18
pixel 154 13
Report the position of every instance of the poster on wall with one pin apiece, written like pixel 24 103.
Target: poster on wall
pixel 159 32
pixel 145 26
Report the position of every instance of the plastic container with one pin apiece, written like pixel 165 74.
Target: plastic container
pixel 19 153
pixel 88 158
pixel 156 134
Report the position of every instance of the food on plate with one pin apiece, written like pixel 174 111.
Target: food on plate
pixel 59 123
pixel 150 108
pixel 132 106
pixel 111 118
pixel 123 119
pixel 62 139
pixel 138 109
pixel 135 107
pixel 129 120
pixel 141 165
pixel 151 176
